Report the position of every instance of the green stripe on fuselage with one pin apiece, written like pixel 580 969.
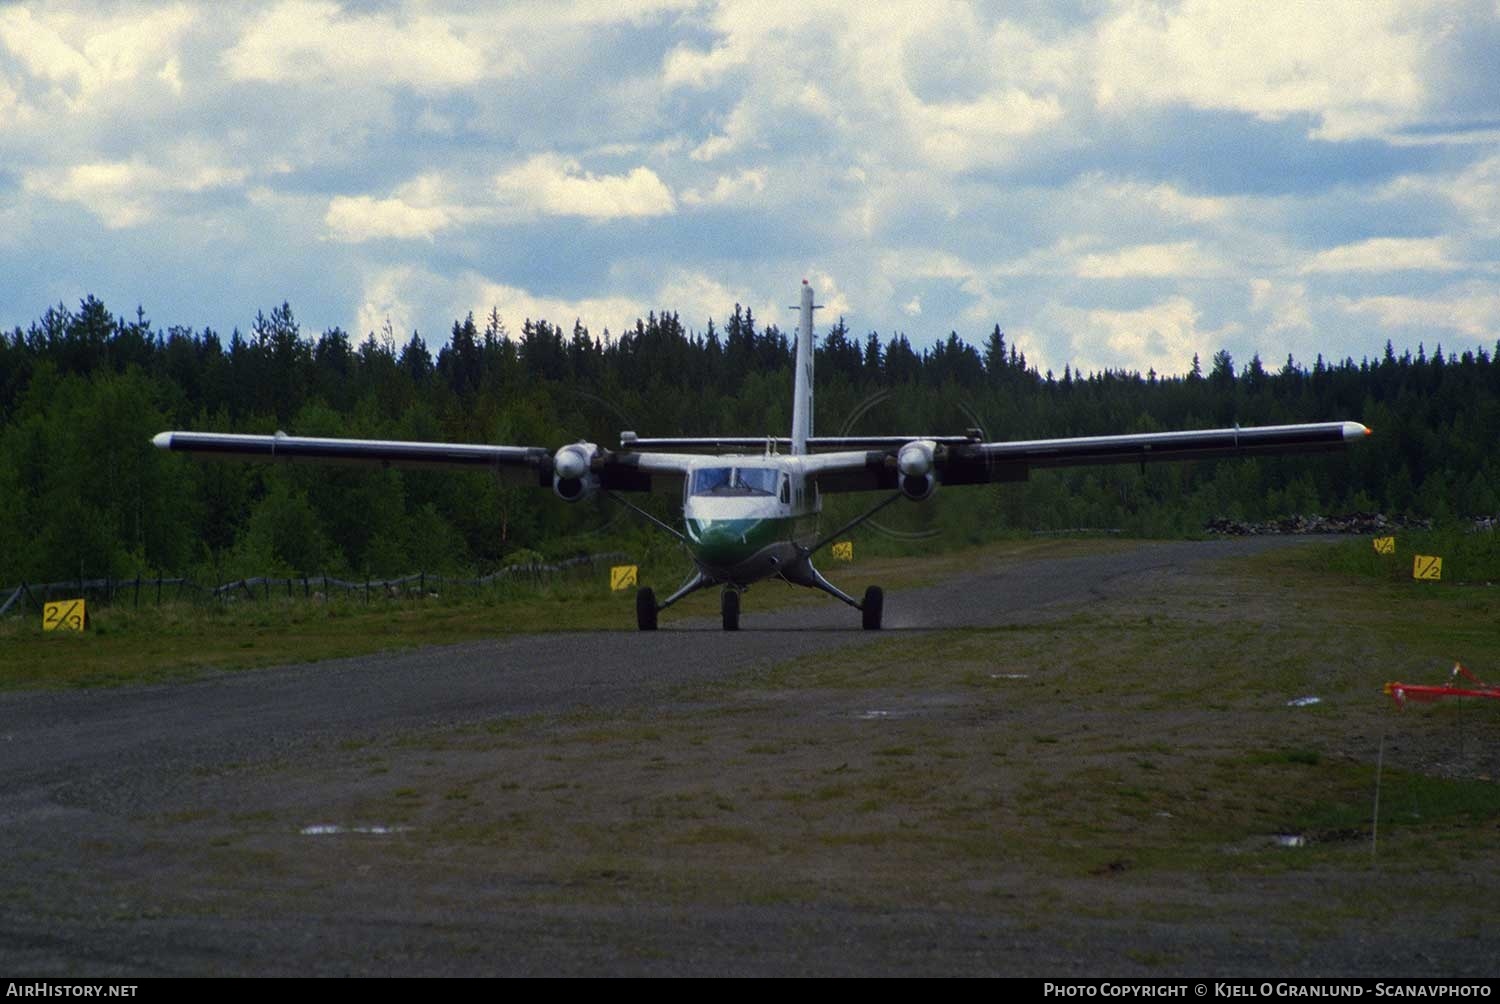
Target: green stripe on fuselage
pixel 725 543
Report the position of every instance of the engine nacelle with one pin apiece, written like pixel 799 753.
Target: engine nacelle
pixel 917 486
pixel 914 464
pixel 915 458
pixel 573 479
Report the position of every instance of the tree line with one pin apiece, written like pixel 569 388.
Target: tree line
pixel 82 392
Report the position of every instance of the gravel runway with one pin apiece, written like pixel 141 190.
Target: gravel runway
pixel 159 829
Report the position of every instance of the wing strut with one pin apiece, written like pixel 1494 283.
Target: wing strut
pixel 828 538
pixel 616 496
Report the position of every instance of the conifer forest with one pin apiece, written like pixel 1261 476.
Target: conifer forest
pixel 83 391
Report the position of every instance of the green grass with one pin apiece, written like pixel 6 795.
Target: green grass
pixel 1469 558
pixel 178 640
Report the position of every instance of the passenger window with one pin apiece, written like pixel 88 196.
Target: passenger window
pixel 786 489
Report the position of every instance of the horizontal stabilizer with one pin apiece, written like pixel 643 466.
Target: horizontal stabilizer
pixel 781 444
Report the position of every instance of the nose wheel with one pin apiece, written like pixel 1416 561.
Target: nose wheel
pixel 729 608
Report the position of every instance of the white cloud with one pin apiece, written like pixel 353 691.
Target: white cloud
pixel 876 78
pixel 556 186
pixel 387 299
pixel 360 218
pixel 11 110
pixel 688 67
pixel 408 295
pixel 299 39
pixel 79 58
pixel 1475 191
pixel 1163 336
pixel 736 190
pixel 171 75
pixel 913 307
pixel 832 300
pixel 958 135
pixel 415 298
pixel 1162 197
pixel 697 296
pixel 1472 311
pixel 1356 66
pixel 1284 303
pixel 1385 254
pixel 127 193
pixel 1148 261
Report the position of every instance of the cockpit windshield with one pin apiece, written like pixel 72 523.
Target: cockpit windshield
pixel 734 481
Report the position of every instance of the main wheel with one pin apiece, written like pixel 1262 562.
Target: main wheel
pixel 645 609
pixel 872 608
pixel 729 606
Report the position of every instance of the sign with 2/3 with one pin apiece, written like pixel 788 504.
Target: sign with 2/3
pixel 64 615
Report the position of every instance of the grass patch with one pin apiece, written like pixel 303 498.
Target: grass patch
pixel 1469 557
pixel 180 640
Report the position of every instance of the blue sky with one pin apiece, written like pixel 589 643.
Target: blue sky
pixel 1117 184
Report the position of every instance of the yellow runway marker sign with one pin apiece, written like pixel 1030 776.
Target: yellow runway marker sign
pixel 1385 545
pixel 64 615
pixel 622 577
pixel 843 551
pixel 1427 568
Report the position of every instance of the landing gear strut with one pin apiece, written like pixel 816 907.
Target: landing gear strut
pixel 646 607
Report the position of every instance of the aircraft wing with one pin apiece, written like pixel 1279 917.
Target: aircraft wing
pixel 982 463
pixel 532 465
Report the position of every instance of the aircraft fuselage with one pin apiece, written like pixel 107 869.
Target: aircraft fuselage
pixel 753 525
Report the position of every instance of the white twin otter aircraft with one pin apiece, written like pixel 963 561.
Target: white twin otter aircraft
pixel 751 504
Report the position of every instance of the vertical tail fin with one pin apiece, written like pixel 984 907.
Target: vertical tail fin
pixel 802 389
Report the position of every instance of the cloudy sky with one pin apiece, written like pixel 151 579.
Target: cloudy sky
pixel 1117 184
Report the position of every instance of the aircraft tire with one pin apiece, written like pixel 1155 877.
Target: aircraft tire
pixel 729 606
pixel 872 608
pixel 645 609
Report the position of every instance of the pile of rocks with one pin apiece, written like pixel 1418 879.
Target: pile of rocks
pixel 1354 522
